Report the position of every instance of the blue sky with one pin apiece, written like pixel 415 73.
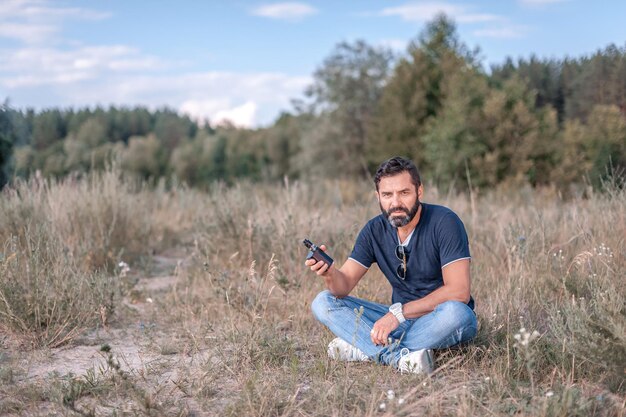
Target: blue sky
pixel 244 60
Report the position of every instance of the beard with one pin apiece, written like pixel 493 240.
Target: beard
pixel 400 221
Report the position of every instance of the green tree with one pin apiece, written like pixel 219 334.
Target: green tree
pixel 48 127
pixel 6 143
pixel 451 139
pixel 51 160
pixel 144 157
pixel 348 87
pixel 321 141
pixel 282 144
pixel 244 153
pixel 543 76
pixel 24 161
pixel 518 139
pixel 600 81
pixel 496 133
pixel 79 148
pixel 217 158
pixel 171 129
pixel 413 94
pixel 591 151
pixel 190 162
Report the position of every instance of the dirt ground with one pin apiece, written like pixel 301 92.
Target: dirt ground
pixel 150 354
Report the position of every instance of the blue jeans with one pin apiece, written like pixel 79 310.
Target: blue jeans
pixel 352 319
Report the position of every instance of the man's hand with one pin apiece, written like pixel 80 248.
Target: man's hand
pixel 319 267
pixel 382 328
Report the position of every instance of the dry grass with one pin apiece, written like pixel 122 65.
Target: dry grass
pixel 233 334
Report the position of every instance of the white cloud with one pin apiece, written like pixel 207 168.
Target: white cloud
pixel 27 32
pixel 35 66
pixel 203 109
pixel 242 116
pixel 35 21
pixel 509 32
pixel 40 9
pixel 221 111
pixel 421 12
pixel 285 11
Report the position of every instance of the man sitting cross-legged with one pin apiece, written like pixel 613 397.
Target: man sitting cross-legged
pixel 423 251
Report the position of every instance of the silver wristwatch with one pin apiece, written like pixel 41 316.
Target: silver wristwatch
pixel 396 310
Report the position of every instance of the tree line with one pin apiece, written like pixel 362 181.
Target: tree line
pixel 531 121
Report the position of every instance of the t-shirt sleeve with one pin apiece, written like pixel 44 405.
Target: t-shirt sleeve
pixel 363 251
pixel 452 238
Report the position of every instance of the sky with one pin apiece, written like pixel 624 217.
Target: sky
pixel 244 61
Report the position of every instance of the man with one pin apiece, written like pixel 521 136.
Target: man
pixel 423 251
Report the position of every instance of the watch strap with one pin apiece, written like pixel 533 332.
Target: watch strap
pixel 397 312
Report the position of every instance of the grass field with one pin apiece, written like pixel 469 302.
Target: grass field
pixel 119 299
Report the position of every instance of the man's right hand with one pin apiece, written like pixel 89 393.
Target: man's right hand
pixel 339 281
pixel 319 267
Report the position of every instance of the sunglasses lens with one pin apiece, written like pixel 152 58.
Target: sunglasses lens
pixel 401 272
pixel 402 256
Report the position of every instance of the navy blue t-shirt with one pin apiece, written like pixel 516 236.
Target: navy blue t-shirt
pixel 438 239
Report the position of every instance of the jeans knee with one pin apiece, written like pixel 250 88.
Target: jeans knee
pixel 321 305
pixel 457 312
pixel 459 322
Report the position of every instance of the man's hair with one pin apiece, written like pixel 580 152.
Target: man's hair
pixel 395 166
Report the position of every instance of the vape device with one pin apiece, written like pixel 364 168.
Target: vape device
pixel 316 253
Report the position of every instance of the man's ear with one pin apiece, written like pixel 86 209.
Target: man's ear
pixel 420 192
pixel 377 196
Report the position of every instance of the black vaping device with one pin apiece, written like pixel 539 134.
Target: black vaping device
pixel 316 253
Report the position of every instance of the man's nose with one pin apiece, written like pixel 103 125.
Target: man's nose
pixel 395 200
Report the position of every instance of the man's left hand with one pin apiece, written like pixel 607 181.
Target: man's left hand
pixel 382 328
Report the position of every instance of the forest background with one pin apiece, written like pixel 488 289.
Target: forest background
pixel 531 121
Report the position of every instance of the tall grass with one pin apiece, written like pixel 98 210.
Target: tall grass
pixel 547 276
pixel 60 242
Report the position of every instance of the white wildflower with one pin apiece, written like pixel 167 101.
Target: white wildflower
pixel 524 337
pixel 400 401
pixel 549 394
pixel 391 395
pixel 382 406
pixel 124 268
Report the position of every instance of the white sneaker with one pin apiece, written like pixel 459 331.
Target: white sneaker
pixel 341 350
pixel 418 362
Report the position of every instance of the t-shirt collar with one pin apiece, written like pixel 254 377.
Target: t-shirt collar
pixel 408 238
